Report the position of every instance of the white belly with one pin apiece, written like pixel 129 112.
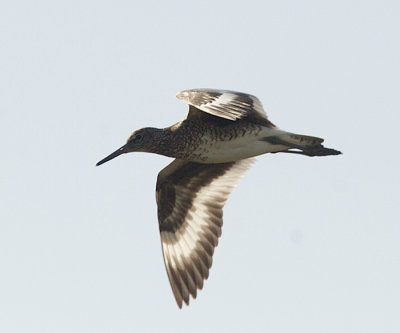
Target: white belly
pixel 239 148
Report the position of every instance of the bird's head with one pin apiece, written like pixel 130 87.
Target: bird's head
pixel 142 140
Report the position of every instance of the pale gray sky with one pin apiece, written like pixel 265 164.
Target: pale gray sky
pixel 308 244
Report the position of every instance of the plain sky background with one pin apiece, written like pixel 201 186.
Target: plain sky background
pixel 308 244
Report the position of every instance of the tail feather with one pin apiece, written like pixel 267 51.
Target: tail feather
pixel 301 140
pixel 308 145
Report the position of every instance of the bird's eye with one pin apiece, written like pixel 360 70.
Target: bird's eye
pixel 138 137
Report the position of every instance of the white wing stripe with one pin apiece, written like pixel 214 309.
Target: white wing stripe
pixel 224 98
pixel 199 212
pixel 188 245
pixel 223 103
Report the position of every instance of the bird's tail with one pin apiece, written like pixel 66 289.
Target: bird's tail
pixel 305 145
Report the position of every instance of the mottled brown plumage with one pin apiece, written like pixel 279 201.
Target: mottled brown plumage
pixel 213 148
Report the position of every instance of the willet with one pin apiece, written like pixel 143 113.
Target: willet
pixel 213 147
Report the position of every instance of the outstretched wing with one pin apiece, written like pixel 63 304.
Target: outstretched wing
pixel 226 104
pixel 190 197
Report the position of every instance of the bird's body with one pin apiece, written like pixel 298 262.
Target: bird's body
pixel 215 142
pixel 213 148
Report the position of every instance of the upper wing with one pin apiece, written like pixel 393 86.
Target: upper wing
pixel 226 104
pixel 190 197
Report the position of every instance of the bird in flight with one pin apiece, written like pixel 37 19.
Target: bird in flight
pixel 213 147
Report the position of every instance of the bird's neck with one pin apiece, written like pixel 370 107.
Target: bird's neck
pixel 163 142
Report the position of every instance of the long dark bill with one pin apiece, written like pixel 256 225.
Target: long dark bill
pixel 118 152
